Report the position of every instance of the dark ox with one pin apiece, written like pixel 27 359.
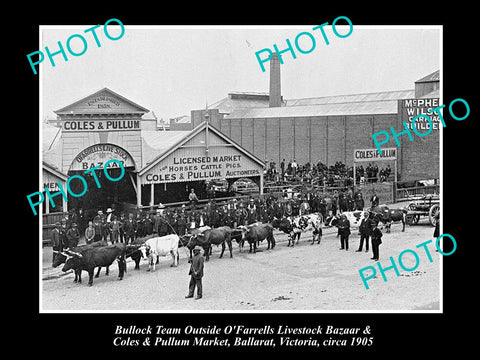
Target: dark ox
pixel 256 233
pixel 91 258
pixel 133 250
pixel 62 256
pixel 209 237
pixel 388 216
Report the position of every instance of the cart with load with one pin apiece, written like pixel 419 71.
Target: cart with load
pixel 427 205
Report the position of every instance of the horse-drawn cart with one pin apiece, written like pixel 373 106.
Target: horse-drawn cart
pixel 427 205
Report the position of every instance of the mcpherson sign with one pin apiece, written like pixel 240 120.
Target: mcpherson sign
pixel 195 168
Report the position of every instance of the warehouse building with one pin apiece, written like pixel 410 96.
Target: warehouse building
pixel 329 129
pixel 160 166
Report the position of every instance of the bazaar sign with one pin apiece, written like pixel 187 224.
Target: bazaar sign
pixel 98 155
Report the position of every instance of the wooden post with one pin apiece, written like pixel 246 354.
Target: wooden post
pixel 152 193
pixel 139 191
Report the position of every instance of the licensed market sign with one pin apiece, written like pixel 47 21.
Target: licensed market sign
pixel 98 155
pixel 100 125
pixel 184 167
pixel 374 154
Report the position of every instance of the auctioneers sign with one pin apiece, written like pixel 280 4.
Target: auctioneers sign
pixel 185 165
pixel 374 154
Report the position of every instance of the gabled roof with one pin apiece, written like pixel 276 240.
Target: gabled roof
pixel 52 169
pixel 78 107
pixel 184 137
pixel 435 76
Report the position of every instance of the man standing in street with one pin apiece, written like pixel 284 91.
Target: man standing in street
pixel 196 274
pixel 56 241
pixel 376 239
pixel 344 230
pixel 130 228
pixel 73 236
pixel 365 228
pixel 89 233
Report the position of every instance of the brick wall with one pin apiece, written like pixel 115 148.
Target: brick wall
pixel 334 138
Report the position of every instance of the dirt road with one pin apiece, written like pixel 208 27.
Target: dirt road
pixel 306 277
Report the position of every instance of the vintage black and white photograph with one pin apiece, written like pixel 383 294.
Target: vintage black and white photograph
pixel 240 168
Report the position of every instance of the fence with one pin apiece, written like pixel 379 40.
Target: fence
pixel 418 191
pixel 49 221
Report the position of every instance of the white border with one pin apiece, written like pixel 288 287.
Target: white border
pixel 401 27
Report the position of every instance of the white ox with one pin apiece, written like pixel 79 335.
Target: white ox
pixel 160 246
pixel 354 217
pixel 306 223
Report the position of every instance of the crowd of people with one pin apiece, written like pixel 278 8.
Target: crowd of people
pixel 125 226
pixel 323 175
pixel 234 212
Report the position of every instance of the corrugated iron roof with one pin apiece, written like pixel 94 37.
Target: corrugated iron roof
pixel 435 76
pixel 157 142
pixel 329 109
pixel 337 99
pixel 433 94
pixel 227 105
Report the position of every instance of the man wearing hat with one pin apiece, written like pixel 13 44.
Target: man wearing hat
pixel 160 225
pixel 376 235
pixel 196 274
pixel 89 233
pixel 73 236
pixel 108 229
pixel 56 240
pixel 98 225
pixel 344 230
pixel 130 228
pixel 365 228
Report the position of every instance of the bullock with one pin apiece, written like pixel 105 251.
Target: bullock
pixel 256 233
pixel 388 216
pixel 354 217
pixel 306 223
pixel 160 246
pixel 133 249
pixel 62 256
pixel 237 235
pixel 209 237
pixel 287 226
pixel 93 257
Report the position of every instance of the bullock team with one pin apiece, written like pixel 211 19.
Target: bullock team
pixel 150 235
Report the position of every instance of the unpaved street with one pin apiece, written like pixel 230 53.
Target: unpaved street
pixel 306 277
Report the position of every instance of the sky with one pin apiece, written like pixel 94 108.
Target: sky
pixel 172 70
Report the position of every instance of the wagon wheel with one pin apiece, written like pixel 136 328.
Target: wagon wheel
pixel 433 213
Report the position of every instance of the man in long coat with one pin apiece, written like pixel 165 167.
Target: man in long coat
pixel 196 274
pixel 365 229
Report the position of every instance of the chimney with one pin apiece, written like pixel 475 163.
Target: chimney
pixel 275 97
